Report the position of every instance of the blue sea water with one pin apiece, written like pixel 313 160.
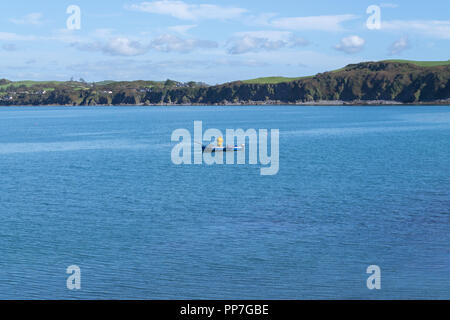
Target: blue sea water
pixel 95 187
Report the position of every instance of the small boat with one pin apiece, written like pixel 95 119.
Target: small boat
pixel 212 148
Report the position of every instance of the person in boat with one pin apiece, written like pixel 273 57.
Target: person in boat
pixel 220 142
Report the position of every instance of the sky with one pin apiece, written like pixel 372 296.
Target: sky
pixel 213 41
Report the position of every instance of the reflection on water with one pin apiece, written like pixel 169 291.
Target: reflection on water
pixel 7 148
pixel 361 130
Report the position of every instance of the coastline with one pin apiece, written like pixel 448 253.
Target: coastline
pixel 445 102
pixel 366 83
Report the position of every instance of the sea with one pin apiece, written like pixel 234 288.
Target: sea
pixel 97 188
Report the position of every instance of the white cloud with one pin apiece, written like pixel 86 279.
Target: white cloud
pixel 399 46
pixel 119 46
pixel 182 10
pixel 9 36
pixel 182 29
pixel 247 44
pixel 9 47
pixel 260 20
pixel 298 42
pixel 61 35
pixel 66 36
pixel 171 43
pixel 433 28
pixel 351 44
pixel 124 47
pixel 32 18
pixel 389 5
pixel 321 23
pixel 104 40
pixel 255 41
pixel 102 33
pixel 273 35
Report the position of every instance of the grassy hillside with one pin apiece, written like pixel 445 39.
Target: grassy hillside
pixel 422 63
pixel 395 80
pixel 28 83
pixel 367 81
pixel 272 80
pixel 276 80
pixel 105 82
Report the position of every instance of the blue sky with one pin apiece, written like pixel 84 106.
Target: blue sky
pixel 212 41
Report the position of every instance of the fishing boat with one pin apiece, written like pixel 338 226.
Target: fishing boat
pixel 220 148
pixel 212 148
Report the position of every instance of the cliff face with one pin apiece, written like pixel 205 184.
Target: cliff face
pixel 383 81
pixel 369 81
pixel 399 82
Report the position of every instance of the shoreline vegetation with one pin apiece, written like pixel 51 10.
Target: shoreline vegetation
pixel 254 103
pixel 390 82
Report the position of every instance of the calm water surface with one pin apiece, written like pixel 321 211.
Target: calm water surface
pixel 95 187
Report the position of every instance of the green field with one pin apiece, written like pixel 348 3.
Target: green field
pixel 422 63
pixel 276 80
pixel 105 82
pixel 28 83
pixel 272 80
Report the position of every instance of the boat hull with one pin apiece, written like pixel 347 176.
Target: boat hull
pixel 213 149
